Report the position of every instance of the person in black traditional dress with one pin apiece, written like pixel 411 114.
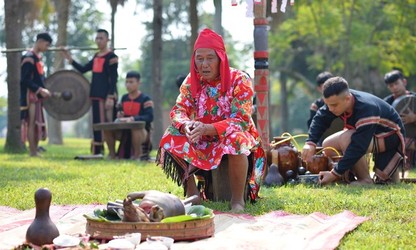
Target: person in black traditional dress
pixel 32 92
pixel 103 91
pixel 370 126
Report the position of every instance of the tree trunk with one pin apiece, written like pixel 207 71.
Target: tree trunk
pixel 284 107
pixel 114 4
pixel 62 9
pixel 113 18
pixel 13 28
pixel 218 17
pixel 156 70
pixel 194 21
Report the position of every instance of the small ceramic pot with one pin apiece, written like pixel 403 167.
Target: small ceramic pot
pixel 319 163
pixel 287 157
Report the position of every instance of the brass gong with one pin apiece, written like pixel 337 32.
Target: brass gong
pixel 70 95
pixel 405 104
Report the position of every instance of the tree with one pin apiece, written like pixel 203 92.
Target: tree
pixel 194 21
pixel 62 10
pixel 13 24
pixel 218 17
pixel 114 4
pixel 3 114
pixel 356 39
pixel 156 69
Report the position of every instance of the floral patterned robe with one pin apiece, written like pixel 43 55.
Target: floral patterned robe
pixel 230 113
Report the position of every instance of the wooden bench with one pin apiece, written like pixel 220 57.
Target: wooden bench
pixel 221 190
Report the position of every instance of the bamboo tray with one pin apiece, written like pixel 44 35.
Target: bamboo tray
pixel 187 230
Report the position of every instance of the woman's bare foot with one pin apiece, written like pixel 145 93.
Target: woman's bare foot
pixel 193 199
pixel 237 207
pixel 111 157
pixel 192 191
pixel 35 154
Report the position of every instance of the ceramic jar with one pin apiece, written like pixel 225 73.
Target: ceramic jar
pixel 287 157
pixel 319 162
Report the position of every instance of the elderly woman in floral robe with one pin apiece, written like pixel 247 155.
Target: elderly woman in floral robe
pixel 212 118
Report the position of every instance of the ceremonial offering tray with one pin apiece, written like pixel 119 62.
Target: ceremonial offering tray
pixel 186 230
pixel 151 213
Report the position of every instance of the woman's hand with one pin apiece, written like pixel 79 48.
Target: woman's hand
pixel 195 130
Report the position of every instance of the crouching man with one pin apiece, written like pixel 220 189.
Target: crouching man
pixel 370 126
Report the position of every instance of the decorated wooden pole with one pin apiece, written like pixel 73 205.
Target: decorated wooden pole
pixel 261 70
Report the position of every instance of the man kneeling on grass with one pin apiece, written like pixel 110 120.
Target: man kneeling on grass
pixel 135 106
pixel 370 126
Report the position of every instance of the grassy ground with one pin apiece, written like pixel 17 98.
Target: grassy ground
pixel 392 208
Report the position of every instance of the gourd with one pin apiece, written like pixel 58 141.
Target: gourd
pixel 42 230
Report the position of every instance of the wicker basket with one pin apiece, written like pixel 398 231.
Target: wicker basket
pixel 187 230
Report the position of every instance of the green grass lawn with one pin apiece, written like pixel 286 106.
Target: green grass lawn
pixel 392 208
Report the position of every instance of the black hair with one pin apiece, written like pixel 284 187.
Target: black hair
pixel 334 86
pixel 393 76
pixel 133 74
pixel 44 36
pixel 179 80
pixel 103 31
pixel 322 77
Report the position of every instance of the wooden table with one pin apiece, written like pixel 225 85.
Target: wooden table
pixel 119 125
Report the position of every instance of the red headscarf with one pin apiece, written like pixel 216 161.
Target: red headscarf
pixel 208 39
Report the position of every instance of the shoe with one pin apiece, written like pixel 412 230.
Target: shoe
pixel 41 149
pixel 145 158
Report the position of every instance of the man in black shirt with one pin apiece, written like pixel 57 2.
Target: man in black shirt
pixel 32 92
pixel 103 91
pixel 370 126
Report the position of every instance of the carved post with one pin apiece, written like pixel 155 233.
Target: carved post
pixel 261 70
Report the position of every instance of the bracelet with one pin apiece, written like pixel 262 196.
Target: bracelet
pixel 337 177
